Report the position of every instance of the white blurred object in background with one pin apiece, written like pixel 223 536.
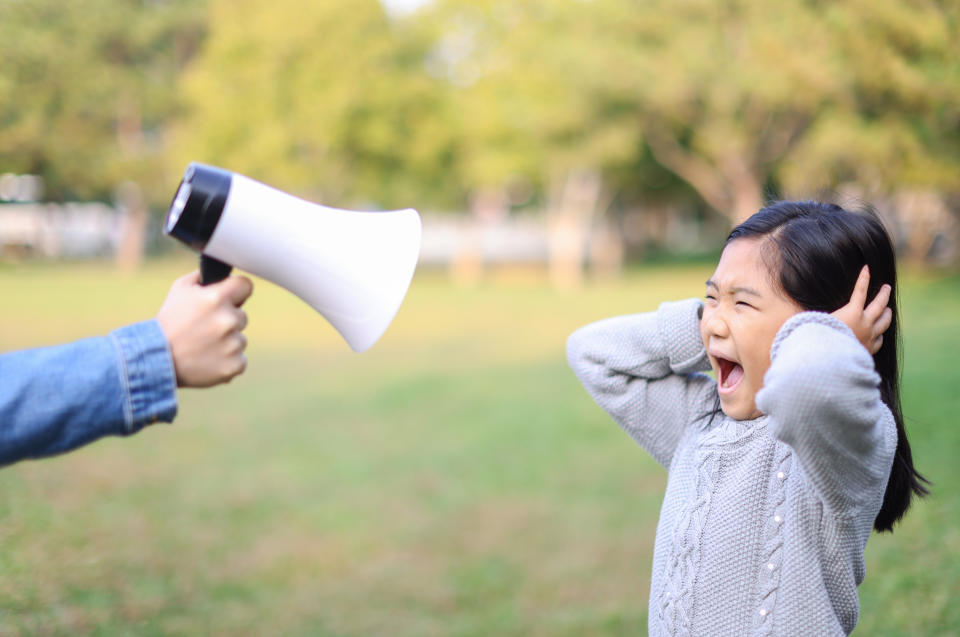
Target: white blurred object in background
pixel 20 188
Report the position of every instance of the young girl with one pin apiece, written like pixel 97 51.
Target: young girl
pixel 780 467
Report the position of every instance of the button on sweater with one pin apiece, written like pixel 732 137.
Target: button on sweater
pixel 764 522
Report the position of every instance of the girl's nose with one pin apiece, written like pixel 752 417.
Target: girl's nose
pixel 716 325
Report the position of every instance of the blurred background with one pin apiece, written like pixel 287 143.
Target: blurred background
pixel 572 160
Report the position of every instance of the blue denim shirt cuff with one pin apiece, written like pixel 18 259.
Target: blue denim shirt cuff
pixel 150 382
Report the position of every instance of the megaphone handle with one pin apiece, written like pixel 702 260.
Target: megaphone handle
pixel 213 270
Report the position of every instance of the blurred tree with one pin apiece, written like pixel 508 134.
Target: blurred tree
pixel 542 88
pixel 743 96
pixel 487 103
pixel 897 123
pixel 543 104
pixel 737 98
pixel 329 99
pixel 85 90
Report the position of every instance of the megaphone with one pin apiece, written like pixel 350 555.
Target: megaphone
pixel 353 267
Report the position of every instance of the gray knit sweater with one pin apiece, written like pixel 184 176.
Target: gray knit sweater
pixel 764 522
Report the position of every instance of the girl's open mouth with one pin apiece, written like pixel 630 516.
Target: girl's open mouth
pixel 731 374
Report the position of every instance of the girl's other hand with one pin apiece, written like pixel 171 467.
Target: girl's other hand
pixel 868 321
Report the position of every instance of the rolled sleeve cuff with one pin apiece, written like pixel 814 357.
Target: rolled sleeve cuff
pixel 148 376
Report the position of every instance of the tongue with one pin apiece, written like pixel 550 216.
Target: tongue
pixel 733 376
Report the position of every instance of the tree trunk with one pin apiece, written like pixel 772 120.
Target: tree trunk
pixel 487 206
pixel 730 184
pixel 925 220
pixel 133 228
pixel 574 199
pixel 606 252
pixel 746 198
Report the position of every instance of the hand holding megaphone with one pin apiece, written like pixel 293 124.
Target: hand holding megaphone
pixel 353 267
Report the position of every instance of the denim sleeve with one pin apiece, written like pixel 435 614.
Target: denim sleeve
pixel 55 399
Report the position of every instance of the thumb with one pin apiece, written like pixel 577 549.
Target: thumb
pixel 187 280
pixel 236 289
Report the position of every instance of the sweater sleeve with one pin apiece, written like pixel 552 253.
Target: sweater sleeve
pixel 642 368
pixel 823 399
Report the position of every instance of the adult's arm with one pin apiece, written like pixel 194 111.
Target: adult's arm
pixel 55 399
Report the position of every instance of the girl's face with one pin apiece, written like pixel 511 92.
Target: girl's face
pixel 742 313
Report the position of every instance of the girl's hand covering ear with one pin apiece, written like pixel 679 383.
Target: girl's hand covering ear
pixel 868 321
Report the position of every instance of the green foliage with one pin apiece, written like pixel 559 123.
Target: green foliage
pixel 541 87
pixel 86 89
pixel 338 101
pixel 324 98
pixel 735 98
pixel 742 97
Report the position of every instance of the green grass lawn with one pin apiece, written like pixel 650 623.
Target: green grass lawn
pixel 454 480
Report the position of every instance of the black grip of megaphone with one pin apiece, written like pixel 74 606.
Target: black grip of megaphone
pixel 213 270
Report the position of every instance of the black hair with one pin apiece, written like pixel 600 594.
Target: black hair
pixel 816 252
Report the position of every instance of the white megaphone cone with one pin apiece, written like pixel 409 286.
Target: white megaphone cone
pixel 352 267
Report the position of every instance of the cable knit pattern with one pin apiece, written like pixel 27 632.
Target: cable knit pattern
pixel 676 599
pixel 764 522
